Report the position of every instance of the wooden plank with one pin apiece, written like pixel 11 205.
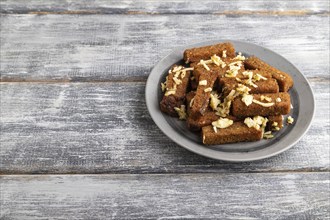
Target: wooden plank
pixel 126 47
pixel 106 128
pixel 185 196
pixel 281 7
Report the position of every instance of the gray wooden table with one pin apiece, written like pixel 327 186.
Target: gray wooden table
pixel 77 141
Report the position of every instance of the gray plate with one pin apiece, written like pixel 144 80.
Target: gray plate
pixel 301 97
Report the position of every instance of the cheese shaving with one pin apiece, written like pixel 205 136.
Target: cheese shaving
pixel 249 74
pixel 242 89
pixel 278 99
pixel 268 99
pixel 239 56
pixel 222 123
pixel 170 92
pixel 247 99
pixel 249 81
pixel 224 53
pixel 177 68
pixel 202 62
pixel 258 77
pixel 215 101
pixel 268 135
pixel 290 120
pixel 263 103
pixel 224 107
pixel 202 82
pixel 163 85
pixel 177 81
pixel 181 112
pixel 217 61
pixel 251 123
pixel 209 89
pixel 257 122
pixel 183 74
pixel 191 102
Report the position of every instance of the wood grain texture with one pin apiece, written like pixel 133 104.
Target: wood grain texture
pixel 189 196
pixel 106 128
pixel 280 7
pixel 126 47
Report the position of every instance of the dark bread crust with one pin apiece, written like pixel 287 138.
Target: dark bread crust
pixel 284 80
pixel 239 109
pixel 196 124
pixel 201 99
pixel 204 53
pixel 264 86
pixel 237 132
pixel 175 100
pixel 274 118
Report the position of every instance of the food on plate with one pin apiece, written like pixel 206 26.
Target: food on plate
pixel 226 96
pixel 175 88
pixel 284 80
pixel 275 122
pixel 237 132
pixel 200 53
pixel 263 105
pixel 265 86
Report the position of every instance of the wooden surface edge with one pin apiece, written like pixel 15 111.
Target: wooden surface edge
pixel 206 196
pixel 150 7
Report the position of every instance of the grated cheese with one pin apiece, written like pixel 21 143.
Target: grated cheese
pixel 258 77
pixel 191 101
pixel 177 68
pixel 247 99
pixel 290 120
pixel 163 85
pixel 204 65
pixel 209 89
pixel 224 53
pixel 268 135
pixel 222 123
pixel 263 103
pixel 170 92
pixel 177 81
pixel 202 82
pixel 181 112
pixel 239 56
pixel 215 101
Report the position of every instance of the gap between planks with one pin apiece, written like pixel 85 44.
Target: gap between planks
pixel 225 13
pixel 309 170
pixel 86 80
pixel 59 81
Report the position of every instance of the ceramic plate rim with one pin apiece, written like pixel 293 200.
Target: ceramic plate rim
pixel 282 145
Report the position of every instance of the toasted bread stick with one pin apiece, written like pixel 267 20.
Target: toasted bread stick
pixel 281 105
pixel 284 80
pixel 204 53
pixel 177 97
pixel 275 123
pixel 201 99
pixel 263 86
pixel 237 132
pixel 196 123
